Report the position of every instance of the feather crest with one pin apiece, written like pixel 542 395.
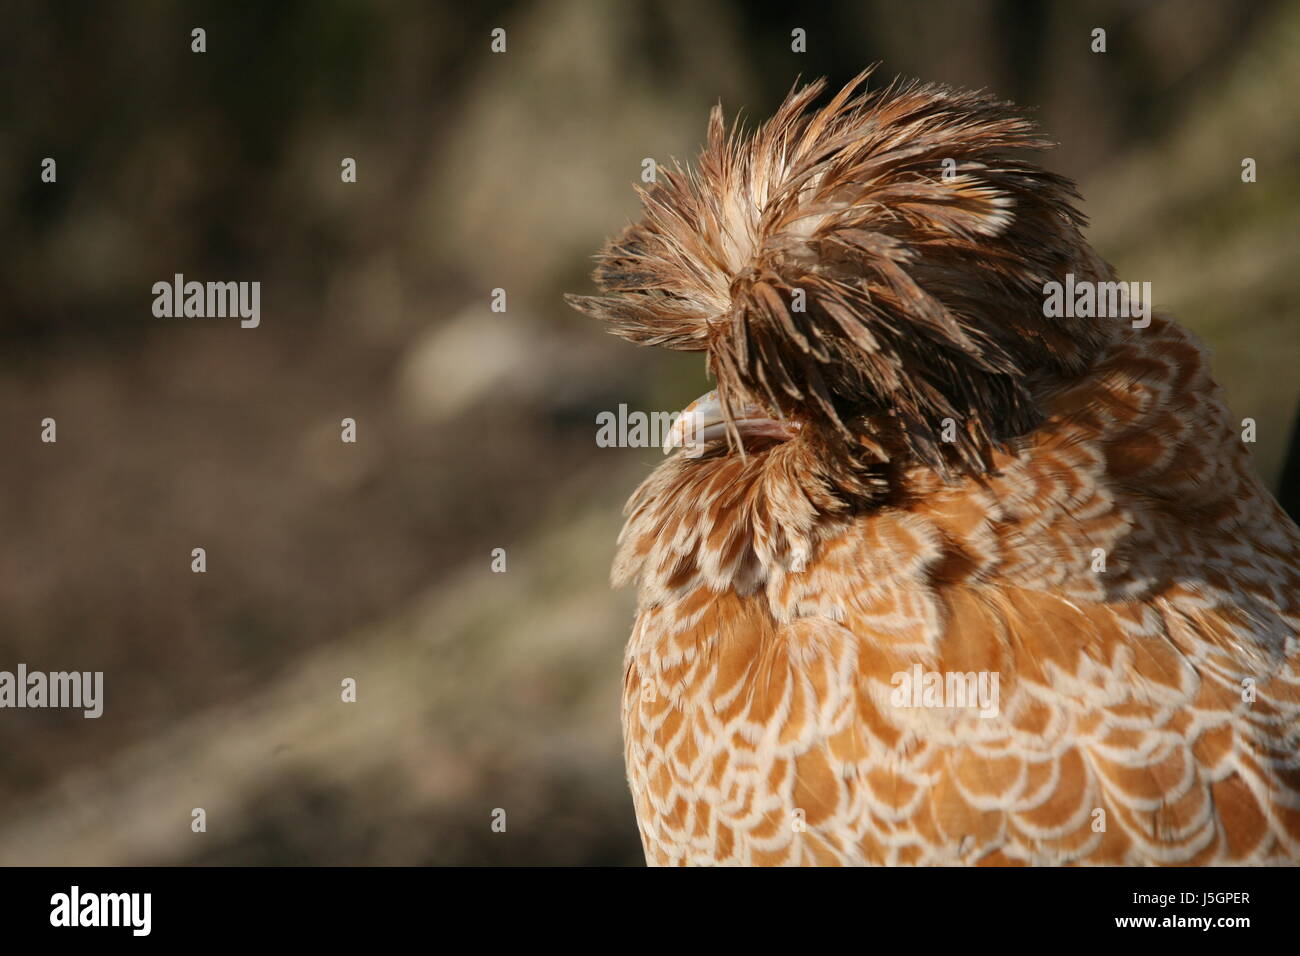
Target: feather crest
pixel 920 279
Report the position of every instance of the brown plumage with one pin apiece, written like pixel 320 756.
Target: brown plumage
pixel 909 470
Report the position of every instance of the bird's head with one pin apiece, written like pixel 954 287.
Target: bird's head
pixel 873 268
pixel 866 280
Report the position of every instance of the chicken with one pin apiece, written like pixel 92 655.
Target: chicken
pixel 943 575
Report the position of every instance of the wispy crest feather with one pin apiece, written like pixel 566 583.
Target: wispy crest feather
pixel 915 241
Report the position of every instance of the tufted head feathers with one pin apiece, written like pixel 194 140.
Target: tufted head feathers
pixel 874 266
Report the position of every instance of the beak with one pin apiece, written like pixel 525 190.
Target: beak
pixel 703 421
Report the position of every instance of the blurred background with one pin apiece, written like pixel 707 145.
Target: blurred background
pixel 476 691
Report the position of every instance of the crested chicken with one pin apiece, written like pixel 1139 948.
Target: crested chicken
pixel 940 575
